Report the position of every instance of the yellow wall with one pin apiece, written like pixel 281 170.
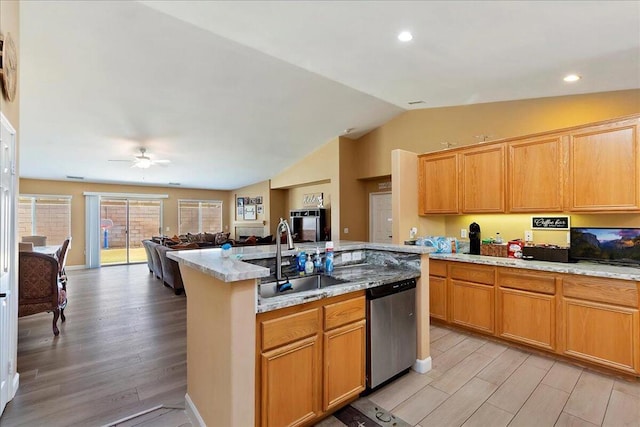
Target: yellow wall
pixel 76 190
pixel 423 131
pixel 512 226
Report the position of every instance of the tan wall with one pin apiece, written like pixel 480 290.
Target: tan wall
pixel 352 194
pixel 262 219
pixel 319 171
pixel 76 190
pixel 278 208
pixel 423 131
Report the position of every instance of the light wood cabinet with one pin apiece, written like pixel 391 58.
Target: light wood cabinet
pixel 601 321
pixel 438 184
pixel 472 296
pixel 591 168
pixel 482 179
pixel 604 168
pixel 438 289
pixel 310 359
pixel 593 319
pixel 535 175
pixel 527 307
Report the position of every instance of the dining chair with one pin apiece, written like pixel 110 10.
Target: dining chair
pixel 25 246
pixel 36 240
pixel 61 254
pixel 38 286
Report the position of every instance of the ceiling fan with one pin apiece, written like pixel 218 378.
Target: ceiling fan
pixel 143 161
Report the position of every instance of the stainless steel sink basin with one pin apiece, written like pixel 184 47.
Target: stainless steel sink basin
pixel 298 284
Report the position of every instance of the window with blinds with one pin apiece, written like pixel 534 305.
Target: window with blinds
pixel 199 216
pixel 44 215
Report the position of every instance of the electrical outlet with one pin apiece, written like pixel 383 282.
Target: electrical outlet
pixel 463 233
pixel 168 228
pixel 528 236
pixel 346 230
pixel 356 255
pixel 346 256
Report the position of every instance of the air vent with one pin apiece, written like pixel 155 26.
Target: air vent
pixel 75 177
pixel 174 183
pixel 415 102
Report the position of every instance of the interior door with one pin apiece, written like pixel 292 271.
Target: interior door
pixel 380 218
pixel 8 278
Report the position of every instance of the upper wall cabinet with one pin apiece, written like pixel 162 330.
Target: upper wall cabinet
pixel 535 176
pixel 604 168
pixel 482 179
pixel 438 184
pixel 591 168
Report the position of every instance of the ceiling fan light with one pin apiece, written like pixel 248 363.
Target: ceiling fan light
pixel 143 163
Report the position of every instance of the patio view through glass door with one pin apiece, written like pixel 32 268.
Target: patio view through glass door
pixel 124 223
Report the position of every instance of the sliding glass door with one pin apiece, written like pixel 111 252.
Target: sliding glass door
pixel 124 223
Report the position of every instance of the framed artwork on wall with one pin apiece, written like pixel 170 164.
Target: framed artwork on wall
pixel 249 212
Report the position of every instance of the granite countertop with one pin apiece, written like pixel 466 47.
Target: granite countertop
pixel 358 277
pixel 581 268
pixel 233 269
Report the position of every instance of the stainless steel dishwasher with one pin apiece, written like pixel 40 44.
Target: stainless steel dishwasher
pixel 391 330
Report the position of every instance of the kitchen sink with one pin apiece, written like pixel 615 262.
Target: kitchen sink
pixel 298 284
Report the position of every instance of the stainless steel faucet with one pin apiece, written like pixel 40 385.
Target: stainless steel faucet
pixel 282 226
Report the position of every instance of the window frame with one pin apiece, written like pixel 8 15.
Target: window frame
pixel 34 202
pixel 200 207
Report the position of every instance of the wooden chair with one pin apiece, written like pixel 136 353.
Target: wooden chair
pixel 25 246
pixel 61 254
pixel 38 286
pixel 36 240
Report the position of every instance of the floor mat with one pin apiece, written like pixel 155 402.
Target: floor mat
pixel 365 413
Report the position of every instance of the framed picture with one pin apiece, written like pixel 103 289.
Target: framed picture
pixel 259 201
pixel 249 212
pixel 240 201
pixel 240 212
pixel 550 223
pixel 259 210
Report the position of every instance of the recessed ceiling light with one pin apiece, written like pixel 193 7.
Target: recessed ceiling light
pixel 572 78
pixel 405 36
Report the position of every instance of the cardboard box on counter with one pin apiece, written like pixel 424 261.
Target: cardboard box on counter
pixel 494 249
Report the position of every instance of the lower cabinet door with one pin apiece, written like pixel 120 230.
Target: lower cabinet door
pixel 472 305
pixel 602 333
pixel 344 363
pixel 527 317
pixel 438 297
pixel 291 383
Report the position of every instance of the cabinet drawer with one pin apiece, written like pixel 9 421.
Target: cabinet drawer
pixel 437 268
pixel 473 273
pixel 527 280
pixel 289 328
pixel 613 291
pixel 343 312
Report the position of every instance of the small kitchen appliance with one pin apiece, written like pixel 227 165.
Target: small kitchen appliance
pixel 474 238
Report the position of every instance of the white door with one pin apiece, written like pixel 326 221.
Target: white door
pixel 380 218
pixel 8 278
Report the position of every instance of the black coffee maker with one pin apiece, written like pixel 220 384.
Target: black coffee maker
pixel 474 237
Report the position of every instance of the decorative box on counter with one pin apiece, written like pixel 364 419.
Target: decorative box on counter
pixel 546 253
pixel 494 249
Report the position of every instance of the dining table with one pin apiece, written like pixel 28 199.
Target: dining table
pixel 47 250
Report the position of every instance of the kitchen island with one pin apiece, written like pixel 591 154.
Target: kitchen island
pixel 586 312
pixel 223 303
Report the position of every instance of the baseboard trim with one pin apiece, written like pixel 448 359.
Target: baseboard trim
pixel 15 383
pixel 422 365
pixel 192 412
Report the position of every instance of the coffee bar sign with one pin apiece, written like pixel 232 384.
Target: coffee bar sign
pixel 550 222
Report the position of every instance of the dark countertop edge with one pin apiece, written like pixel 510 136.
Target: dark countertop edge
pixel 580 268
pixel 275 303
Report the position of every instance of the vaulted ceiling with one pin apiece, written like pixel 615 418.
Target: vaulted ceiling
pixel 232 93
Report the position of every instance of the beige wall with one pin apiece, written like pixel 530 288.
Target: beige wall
pixel 319 171
pixel 262 219
pixel 77 189
pixel 423 131
pixel 352 194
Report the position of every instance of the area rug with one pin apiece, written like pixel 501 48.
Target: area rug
pixel 365 413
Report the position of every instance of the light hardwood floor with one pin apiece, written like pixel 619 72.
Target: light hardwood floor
pixel 122 351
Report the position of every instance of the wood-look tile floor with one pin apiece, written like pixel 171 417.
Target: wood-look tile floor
pixel 122 352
